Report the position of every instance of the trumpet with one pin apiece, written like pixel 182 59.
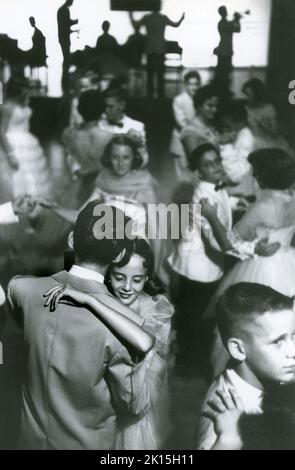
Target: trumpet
pixel 238 16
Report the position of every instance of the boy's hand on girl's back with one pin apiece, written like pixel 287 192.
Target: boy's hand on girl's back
pixel 265 248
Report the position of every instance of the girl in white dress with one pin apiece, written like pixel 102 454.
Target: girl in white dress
pixel 28 170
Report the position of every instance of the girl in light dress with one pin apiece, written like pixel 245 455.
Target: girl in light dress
pixel 262 117
pixel 202 127
pixel 131 279
pixel 27 164
pixel 24 168
pixel 271 218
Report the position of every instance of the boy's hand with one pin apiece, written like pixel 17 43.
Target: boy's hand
pixel 225 410
pixel 209 211
pixel 23 204
pixel 264 248
pixel 136 137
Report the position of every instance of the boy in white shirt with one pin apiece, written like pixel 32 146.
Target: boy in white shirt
pixel 184 112
pixel 257 326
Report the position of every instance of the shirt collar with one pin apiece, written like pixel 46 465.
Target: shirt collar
pixel 250 396
pixel 86 273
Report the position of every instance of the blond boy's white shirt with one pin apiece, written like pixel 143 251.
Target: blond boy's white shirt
pixel 250 396
pixel 127 124
pixel 235 155
pixel 184 113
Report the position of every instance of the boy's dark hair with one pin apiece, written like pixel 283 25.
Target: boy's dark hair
pixel 274 168
pixel 91 105
pixel 87 247
pixel 235 113
pixel 192 74
pixel 122 139
pixel 203 94
pixel 114 91
pixel 243 302
pixel 195 158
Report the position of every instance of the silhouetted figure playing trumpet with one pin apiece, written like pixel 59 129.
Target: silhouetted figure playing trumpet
pixel 224 50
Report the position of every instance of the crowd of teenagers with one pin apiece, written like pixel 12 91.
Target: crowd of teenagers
pixel 107 319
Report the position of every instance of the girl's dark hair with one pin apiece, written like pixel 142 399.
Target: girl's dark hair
pixel 122 139
pixel 273 168
pixel 234 112
pixel 203 94
pixel 258 88
pixel 16 87
pixel 139 246
pixel 195 157
pixel 91 105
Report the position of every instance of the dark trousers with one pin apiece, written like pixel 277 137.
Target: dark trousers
pixel 193 333
pixel 223 72
pixel 155 69
pixel 66 52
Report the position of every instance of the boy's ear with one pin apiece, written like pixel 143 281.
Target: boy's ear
pixel 236 349
pixel 71 240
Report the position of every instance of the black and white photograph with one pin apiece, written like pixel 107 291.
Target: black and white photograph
pixel 147 227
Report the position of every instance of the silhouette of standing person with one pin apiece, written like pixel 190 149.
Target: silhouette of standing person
pixel 224 50
pixel 37 54
pixel 64 24
pixel 155 24
pixel 106 43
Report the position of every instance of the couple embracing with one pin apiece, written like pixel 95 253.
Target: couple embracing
pixel 96 340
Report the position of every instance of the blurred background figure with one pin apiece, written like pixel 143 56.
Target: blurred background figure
pixel 134 48
pixel 155 24
pixel 184 112
pixel 37 54
pixel 65 23
pixel 106 43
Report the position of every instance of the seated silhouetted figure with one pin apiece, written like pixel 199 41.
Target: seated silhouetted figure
pixel 135 48
pixel 37 54
pixel 106 43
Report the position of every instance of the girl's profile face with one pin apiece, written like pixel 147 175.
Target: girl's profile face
pixel 128 281
pixel 247 91
pixel 211 167
pixel 121 159
pixel 209 108
pixel 229 132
